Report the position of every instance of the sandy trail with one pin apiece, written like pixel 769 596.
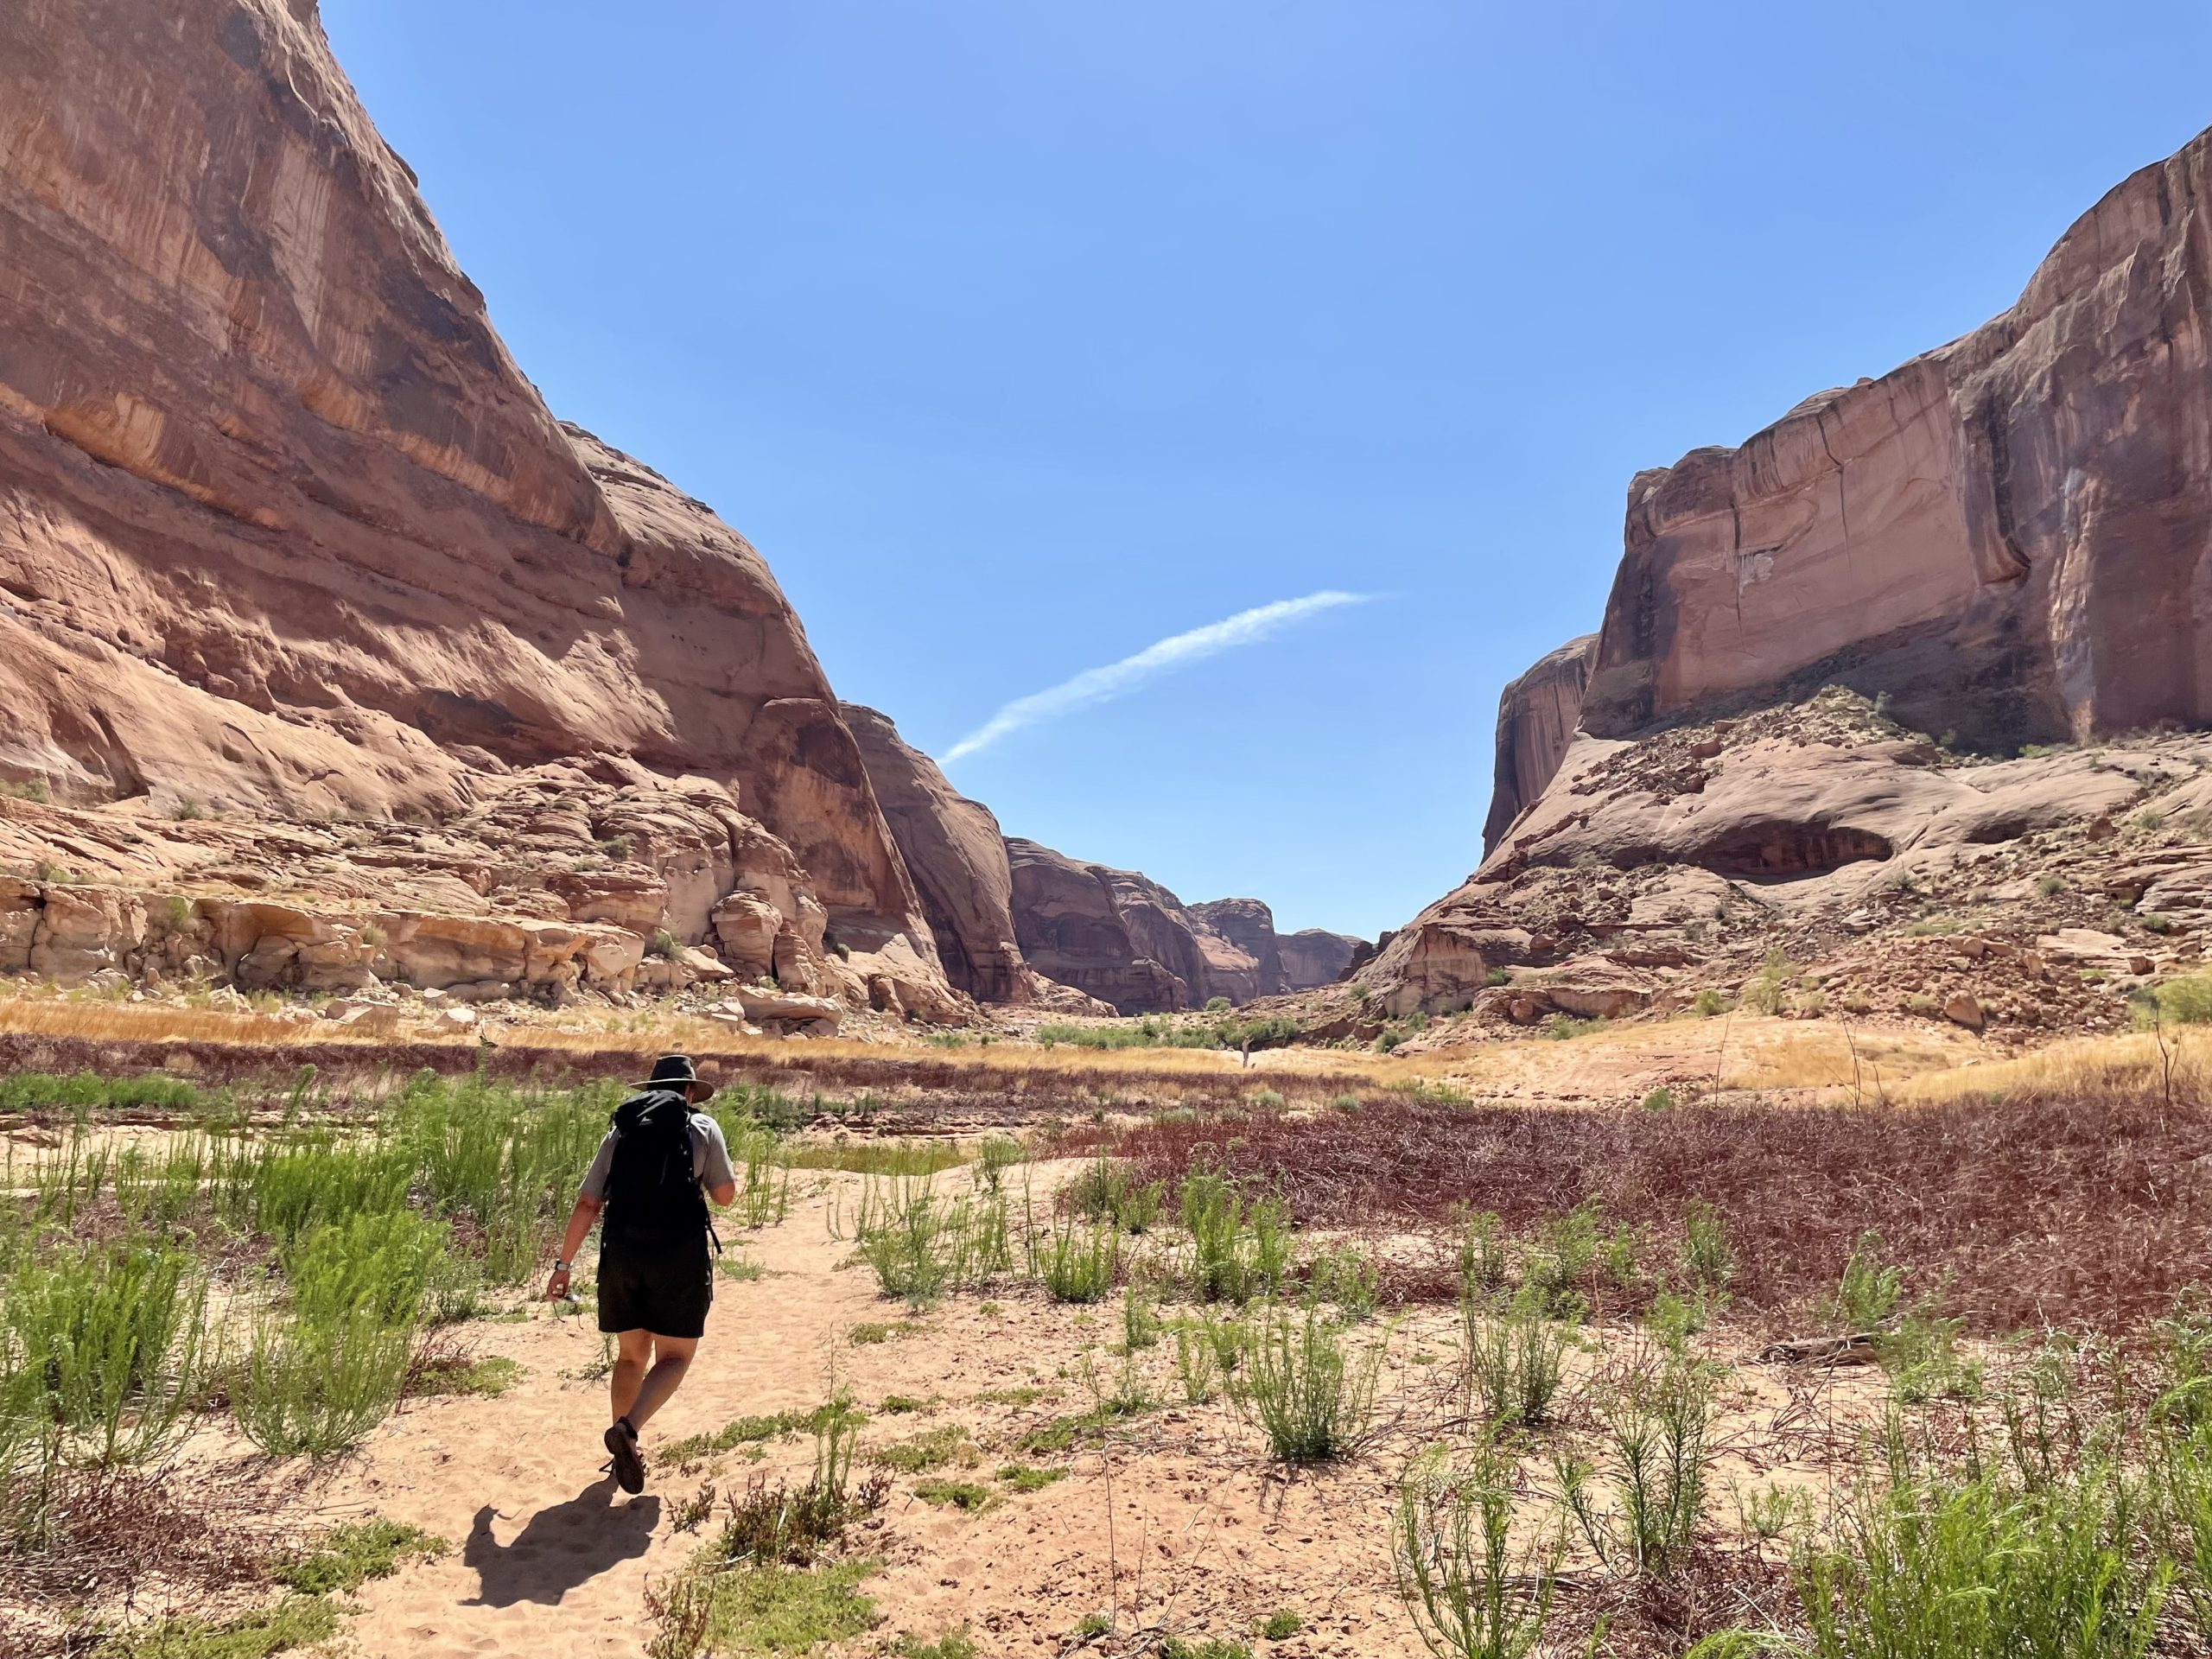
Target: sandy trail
pixel 551 1560
pixel 1180 1524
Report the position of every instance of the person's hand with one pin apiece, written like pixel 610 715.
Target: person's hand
pixel 556 1287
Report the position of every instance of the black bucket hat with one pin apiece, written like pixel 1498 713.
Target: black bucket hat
pixel 673 1071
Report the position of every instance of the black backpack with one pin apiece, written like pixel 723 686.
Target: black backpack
pixel 653 1191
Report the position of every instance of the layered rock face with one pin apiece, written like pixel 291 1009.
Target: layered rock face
pixel 1243 959
pixel 2011 537
pixel 1313 958
pixel 1537 716
pixel 1069 920
pixel 1125 940
pixel 957 857
pixel 284 531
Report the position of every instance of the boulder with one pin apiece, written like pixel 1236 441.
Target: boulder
pixel 761 1005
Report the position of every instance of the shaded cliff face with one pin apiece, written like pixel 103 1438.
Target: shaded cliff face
pixel 2010 535
pixel 283 528
pixel 1313 958
pixel 957 858
pixel 1243 958
pixel 1537 716
pixel 1073 929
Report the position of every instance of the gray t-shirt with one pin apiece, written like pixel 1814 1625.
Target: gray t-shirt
pixel 709 1158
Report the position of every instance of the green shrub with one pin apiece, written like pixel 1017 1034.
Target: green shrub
pixel 1866 1297
pixel 1769 988
pixel 1313 1400
pixel 1707 1257
pixel 1513 1362
pixel 1470 1594
pixel 2184 1001
pixel 295 1621
pixel 1709 1003
pixel 1079 1263
pixel 1237 1250
pixel 966 1496
pixel 1110 1190
pixel 1349 1277
pixel 1282 1626
pixel 105 1347
pixel 1657 1472
pixel 1972 1568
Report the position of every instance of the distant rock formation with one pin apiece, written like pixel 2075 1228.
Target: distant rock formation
pixel 1074 928
pixel 1313 958
pixel 1243 959
pixel 1537 716
pixel 284 531
pixel 957 858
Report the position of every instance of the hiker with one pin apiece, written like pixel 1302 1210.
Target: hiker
pixel 655 1276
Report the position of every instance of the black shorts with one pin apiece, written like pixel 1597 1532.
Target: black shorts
pixel 665 1289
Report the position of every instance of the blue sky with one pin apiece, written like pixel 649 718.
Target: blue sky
pixel 1022 336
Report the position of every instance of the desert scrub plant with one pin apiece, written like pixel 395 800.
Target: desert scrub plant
pixel 103 1348
pixel 1922 1357
pixel 1078 1262
pixel 1238 1251
pixel 350 1556
pixel 1512 1363
pixel 1768 989
pixel 1482 1252
pixel 1950 1565
pixel 664 945
pixel 1708 1003
pixel 1312 1397
pixel 1867 1295
pixel 2186 1000
pixel 1108 1190
pixel 1347 1276
pixel 1141 1323
pixel 1658 1468
pixel 1470 1594
pixel 1565 1251
pixel 1197 1364
pixel 1708 1260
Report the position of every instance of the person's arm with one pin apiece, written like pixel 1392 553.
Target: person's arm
pixel 580 1224
pixel 718 1176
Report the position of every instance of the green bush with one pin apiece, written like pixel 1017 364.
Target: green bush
pixel 1470 1594
pixel 2184 1001
pixel 1656 1473
pixel 1079 1263
pixel 1513 1362
pixel 104 1349
pixel 1313 1398
pixel 1973 1567
pixel 1238 1251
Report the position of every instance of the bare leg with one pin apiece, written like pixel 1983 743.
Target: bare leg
pixel 671 1359
pixel 635 1353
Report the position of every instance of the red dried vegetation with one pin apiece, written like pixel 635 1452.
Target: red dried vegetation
pixel 2084 1213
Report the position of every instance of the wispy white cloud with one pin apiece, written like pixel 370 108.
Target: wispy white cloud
pixel 1096 685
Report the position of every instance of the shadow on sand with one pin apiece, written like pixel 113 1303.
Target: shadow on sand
pixel 559 1548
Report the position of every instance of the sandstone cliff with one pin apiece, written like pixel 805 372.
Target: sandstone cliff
pixel 2010 536
pixel 1313 958
pixel 2006 539
pixel 1243 958
pixel 1537 716
pixel 957 858
pixel 283 531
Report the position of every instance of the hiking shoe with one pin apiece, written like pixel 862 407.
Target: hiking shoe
pixel 629 1467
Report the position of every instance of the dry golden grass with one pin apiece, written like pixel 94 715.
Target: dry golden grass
pixel 96 1020
pixel 2133 1063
